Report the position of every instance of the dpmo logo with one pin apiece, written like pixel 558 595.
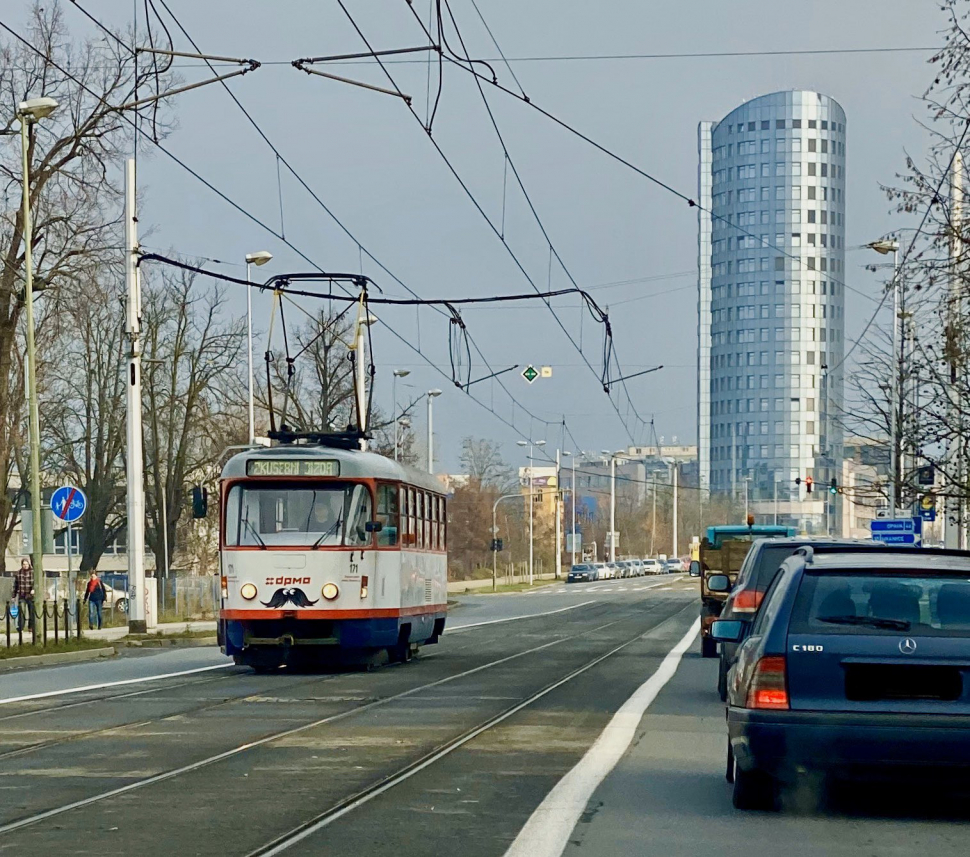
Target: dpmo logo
pixel 287 581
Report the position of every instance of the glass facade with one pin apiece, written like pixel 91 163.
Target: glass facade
pixel 771 255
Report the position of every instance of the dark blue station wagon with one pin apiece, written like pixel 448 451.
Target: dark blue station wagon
pixel 857 666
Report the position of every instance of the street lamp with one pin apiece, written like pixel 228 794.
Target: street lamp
pixel 398 373
pixel 612 456
pixel 532 530
pixel 572 528
pixel 260 257
pixel 432 394
pixel 29 112
pixel 884 247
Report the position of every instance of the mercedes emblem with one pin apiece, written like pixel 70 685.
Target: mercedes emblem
pixel 907 646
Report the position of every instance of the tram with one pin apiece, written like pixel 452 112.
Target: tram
pixel 328 554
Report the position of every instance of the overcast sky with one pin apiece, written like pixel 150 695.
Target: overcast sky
pixel 369 160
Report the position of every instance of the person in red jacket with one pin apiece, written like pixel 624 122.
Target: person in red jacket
pixel 94 596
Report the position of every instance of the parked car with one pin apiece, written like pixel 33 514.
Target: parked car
pixel 652 566
pixel 856 666
pixel 602 571
pixel 581 574
pixel 757 572
pixel 637 566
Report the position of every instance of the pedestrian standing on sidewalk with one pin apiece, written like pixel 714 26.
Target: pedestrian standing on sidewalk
pixel 23 593
pixel 94 596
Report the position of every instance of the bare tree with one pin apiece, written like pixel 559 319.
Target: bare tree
pixel 73 193
pixel 84 409
pixel 190 412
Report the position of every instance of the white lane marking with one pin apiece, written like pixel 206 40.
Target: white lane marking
pixel 451 629
pixel 121 683
pixel 287 841
pixel 548 829
pixel 296 730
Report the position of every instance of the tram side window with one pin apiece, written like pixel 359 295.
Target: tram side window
pixel 412 531
pixel 419 516
pixel 358 514
pixel 444 522
pixel 433 499
pixel 387 514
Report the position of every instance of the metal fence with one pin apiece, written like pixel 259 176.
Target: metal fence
pixel 55 621
pixel 190 596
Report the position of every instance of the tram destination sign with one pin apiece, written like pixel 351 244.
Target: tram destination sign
pixel 292 467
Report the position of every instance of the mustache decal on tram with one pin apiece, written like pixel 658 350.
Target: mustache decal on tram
pixel 287 595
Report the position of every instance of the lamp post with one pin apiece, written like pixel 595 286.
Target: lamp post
pixel 29 112
pixel 612 456
pixel 432 394
pixel 884 247
pixel 260 257
pixel 572 528
pixel 531 444
pixel 398 373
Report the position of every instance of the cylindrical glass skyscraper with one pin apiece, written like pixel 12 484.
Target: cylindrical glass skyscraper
pixel 771 254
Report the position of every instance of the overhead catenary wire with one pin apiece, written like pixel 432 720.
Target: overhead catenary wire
pixel 256 220
pixel 281 234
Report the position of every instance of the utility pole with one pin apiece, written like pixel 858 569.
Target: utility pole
pixel 558 502
pixel 954 536
pixel 137 593
pixel 612 508
pixel 653 529
pixel 360 372
pixel 674 554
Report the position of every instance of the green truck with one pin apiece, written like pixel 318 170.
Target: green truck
pixel 722 551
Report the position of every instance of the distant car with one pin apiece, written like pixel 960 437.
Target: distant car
pixel 602 572
pixel 652 566
pixel 637 566
pixel 616 570
pixel 581 574
pixel 855 668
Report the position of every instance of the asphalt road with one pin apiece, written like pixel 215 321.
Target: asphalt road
pixel 450 754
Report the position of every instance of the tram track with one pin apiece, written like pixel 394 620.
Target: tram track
pixel 323 819
pixel 277 735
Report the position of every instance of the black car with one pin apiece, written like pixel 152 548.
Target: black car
pixel 755 576
pixel 581 574
pixel 857 666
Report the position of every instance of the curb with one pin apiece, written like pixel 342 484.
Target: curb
pixel 176 642
pixel 56 658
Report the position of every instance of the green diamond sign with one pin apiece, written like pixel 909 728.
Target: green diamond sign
pixel 530 373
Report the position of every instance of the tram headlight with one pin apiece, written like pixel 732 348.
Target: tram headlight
pixel 248 591
pixel 330 591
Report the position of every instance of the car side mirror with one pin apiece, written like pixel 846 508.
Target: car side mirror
pixel 200 501
pixel 719 583
pixel 728 630
pixel 374 526
pixel 695 568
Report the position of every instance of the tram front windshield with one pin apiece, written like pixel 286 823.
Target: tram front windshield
pixel 318 515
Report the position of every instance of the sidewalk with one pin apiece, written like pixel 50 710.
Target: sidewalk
pixel 163 629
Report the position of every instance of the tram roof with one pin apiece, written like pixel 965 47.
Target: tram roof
pixel 354 464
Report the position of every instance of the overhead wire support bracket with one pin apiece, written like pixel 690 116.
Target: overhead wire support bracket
pixel 305 63
pixel 612 381
pixel 486 377
pixel 251 65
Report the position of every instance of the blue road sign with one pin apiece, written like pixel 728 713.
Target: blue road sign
pixel 68 503
pixel 896 525
pixel 897 538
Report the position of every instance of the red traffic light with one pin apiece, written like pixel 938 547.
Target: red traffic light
pixel 808 484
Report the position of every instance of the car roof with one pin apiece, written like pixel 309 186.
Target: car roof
pixel 822 542
pixel 889 558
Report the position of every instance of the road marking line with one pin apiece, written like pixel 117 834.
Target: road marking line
pixel 453 629
pixel 296 730
pixel 548 829
pixel 82 689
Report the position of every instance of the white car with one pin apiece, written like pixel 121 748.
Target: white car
pixel 653 566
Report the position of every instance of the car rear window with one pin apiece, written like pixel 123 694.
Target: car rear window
pixel 882 603
pixel 581 568
pixel 767 563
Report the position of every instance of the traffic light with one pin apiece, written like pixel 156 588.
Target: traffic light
pixel 834 486
pixel 808 484
pixel 200 501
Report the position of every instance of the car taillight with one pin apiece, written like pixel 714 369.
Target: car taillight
pixel 769 685
pixel 747 601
